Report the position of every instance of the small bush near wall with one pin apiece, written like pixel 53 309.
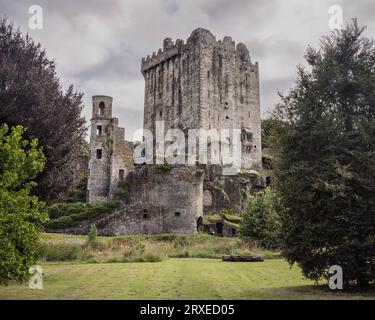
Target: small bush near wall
pixel 69 215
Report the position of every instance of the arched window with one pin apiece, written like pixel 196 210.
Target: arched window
pixel 101 108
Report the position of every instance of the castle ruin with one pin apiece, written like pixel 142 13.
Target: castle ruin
pixel 203 83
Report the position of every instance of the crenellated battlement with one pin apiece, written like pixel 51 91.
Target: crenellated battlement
pixel 170 49
pixel 199 36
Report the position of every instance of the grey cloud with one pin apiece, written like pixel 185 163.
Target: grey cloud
pixel 98 45
pixel 269 92
pixel 171 6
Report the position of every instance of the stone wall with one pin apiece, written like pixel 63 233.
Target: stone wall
pixel 161 201
pixel 229 192
pixel 204 83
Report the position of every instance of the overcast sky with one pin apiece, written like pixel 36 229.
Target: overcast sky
pixel 98 44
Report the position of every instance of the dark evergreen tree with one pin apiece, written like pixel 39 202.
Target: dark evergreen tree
pixel 325 163
pixel 271 129
pixel 31 95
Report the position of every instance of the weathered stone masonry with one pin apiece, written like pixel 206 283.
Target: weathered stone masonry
pixel 161 202
pixel 207 84
pixel 203 83
pixel 111 157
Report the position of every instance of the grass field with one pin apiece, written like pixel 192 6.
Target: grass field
pixel 151 248
pixel 176 279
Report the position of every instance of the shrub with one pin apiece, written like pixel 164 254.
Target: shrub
pixel 59 252
pixel 91 236
pixel 59 223
pixel 261 221
pixel 65 209
pixel 69 215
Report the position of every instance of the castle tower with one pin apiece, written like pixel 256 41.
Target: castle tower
pixel 110 155
pixel 205 83
pixel 100 150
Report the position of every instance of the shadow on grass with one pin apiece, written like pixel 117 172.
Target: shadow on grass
pixel 311 292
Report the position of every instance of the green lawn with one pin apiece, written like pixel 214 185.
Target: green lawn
pixel 175 279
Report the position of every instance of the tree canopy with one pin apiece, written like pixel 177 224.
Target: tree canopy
pixel 20 212
pixel 31 96
pixel 325 161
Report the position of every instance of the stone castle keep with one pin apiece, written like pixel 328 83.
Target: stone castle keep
pixel 203 83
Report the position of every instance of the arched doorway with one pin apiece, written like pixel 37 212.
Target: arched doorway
pixel 200 224
pixel 219 227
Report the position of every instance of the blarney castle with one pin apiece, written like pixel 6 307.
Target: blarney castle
pixel 202 83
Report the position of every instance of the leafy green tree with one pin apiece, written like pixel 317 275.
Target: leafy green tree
pixel 20 212
pixel 325 161
pixel 260 221
pixel 31 96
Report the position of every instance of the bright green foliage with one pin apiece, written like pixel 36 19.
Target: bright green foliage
pixel 20 212
pixel 260 221
pixel 325 162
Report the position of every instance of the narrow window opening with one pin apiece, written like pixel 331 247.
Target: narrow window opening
pixel 101 108
pixel 177 214
pixel 208 74
pixel 145 214
pixel 99 130
pixel 98 153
